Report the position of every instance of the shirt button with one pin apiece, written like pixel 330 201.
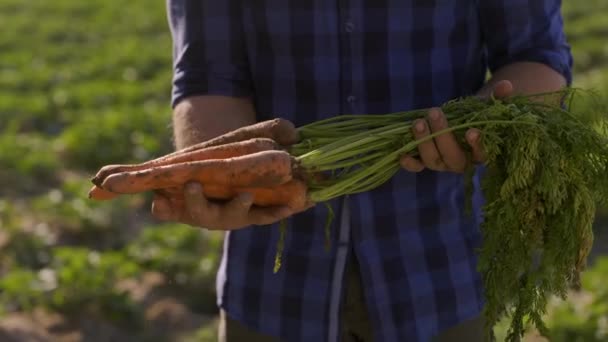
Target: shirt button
pixel 349 26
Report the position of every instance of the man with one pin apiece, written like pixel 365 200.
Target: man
pixel 402 266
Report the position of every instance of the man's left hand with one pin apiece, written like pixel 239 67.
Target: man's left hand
pixel 444 153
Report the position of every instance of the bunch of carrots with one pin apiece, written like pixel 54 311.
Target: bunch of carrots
pixel 251 159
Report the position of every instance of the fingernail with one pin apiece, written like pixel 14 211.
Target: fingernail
pixel 434 114
pixel 473 136
pixel 420 126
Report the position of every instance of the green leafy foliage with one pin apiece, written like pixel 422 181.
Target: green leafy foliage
pixel 76 281
pixel 544 175
pixel 584 319
pixel 207 333
pixel 187 257
pixel 177 251
pixel 20 290
pixel 99 83
pixel 580 318
pixel 26 250
pixel 542 200
pixel 28 154
pixel 86 84
pixel 103 132
pixel 586 31
pixel 168 249
pixel 86 279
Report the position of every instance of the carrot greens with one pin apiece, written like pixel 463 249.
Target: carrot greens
pixel 546 170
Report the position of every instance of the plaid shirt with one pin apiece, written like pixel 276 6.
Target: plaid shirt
pixel 309 60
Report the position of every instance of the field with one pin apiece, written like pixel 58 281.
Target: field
pixel 83 83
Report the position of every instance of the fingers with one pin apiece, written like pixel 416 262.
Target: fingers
pixel 428 151
pixel 443 153
pixel 196 210
pixel 411 164
pixel 239 204
pixel 473 137
pixel 263 216
pixel 224 216
pixel 197 205
pixel 161 208
pixel 451 153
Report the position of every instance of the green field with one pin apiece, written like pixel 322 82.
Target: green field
pixel 86 83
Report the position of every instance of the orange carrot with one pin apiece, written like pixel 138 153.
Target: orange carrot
pixel 100 194
pixel 261 169
pixel 280 130
pixel 229 150
pixel 293 194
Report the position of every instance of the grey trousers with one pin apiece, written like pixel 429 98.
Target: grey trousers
pixel 356 324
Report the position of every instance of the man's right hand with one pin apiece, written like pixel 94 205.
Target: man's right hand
pixel 200 118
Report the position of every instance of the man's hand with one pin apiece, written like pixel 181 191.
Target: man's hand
pixel 198 211
pixel 197 119
pixel 444 153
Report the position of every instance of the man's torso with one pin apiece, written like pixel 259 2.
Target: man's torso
pixel 310 60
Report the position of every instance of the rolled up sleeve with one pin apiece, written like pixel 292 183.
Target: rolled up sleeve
pixel 525 31
pixel 209 57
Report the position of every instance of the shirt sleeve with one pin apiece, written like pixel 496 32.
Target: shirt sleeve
pixel 209 56
pixel 525 31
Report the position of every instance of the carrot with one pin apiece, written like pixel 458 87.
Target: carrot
pixel 280 130
pixel 100 194
pixel 292 194
pixel 261 169
pixel 229 150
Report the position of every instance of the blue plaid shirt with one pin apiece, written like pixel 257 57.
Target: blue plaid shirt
pixel 312 59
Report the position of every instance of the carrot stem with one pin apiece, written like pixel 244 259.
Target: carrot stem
pixel 280 245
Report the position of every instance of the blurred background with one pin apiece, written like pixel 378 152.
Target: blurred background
pixel 87 83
